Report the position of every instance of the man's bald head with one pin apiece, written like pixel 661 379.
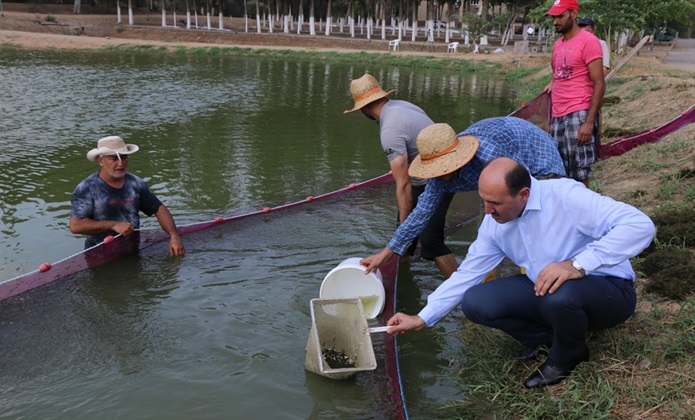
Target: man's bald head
pixel 504 186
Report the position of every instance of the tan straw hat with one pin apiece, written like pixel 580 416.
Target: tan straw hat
pixel 441 151
pixel 366 90
pixel 111 145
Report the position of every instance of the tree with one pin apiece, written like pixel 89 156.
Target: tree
pixel 476 26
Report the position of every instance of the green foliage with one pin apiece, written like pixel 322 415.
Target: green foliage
pixel 476 26
pixel 50 18
pixel 621 15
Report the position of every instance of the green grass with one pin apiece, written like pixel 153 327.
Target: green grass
pixel 643 368
pixel 429 62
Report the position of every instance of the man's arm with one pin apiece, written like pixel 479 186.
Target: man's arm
pixel 404 191
pixel 87 226
pixel 409 229
pixel 166 221
pixel 597 77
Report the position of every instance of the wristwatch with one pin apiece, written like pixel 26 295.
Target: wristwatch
pixel 578 267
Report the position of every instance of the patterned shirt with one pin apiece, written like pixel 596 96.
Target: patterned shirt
pixel 499 137
pixel 93 198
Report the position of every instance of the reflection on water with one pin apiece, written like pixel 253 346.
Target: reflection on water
pixel 223 329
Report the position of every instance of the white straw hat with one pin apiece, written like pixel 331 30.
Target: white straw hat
pixel 366 90
pixel 441 151
pixel 111 145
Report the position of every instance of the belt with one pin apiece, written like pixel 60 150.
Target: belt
pixel 548 176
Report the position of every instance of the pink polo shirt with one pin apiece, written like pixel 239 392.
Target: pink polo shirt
pixel 572 86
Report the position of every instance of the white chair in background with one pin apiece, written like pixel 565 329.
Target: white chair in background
pixel 453 47
pixel 394 44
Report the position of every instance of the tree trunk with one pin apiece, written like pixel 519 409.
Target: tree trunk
pixel 246 17
pixel 118 11
pixel 329 17
pixel 312 21
pixel 383 20
pixel 351 19
pixel 207 14
pixel 300 17
pixel 414 28
pixel 286 20
pixel 258 17
pixel 220 23
pixel 270 18
pixel 76 6
pixel 164 13
pixel 131 21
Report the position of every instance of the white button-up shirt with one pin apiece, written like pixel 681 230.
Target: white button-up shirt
pixel 562 220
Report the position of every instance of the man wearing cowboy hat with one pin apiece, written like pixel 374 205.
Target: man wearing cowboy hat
pixel 108 202
pixel 575 246
pixel 399 124
pixel 576 89
pixel 452 163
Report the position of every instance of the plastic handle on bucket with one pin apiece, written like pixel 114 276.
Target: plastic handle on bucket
pixel 374 330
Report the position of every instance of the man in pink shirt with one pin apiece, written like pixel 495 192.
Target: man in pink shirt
pixel 577 89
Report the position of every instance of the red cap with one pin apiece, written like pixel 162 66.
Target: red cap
pixel 560 6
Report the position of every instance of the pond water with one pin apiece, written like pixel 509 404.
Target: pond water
pixel 220 332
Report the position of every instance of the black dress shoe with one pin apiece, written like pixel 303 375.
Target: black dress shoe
pixel 549 374
pixel 529 353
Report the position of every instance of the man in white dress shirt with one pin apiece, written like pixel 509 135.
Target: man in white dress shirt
pixel 574 245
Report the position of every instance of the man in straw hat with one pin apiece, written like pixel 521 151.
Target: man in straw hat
pixel 452 163
pixel 108 202
pixel 399 124
pixel 577 89
pixel 575 245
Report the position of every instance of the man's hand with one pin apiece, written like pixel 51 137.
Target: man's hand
pixel 585 132
pixel 401 323
pixel 551 277
pixel 176 246
pixel 375 261
pixel 124 228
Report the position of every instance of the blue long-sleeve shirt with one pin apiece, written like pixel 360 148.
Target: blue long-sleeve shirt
pixel 499 137
pixel 562 220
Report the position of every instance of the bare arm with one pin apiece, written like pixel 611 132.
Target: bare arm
pixel 166 221
pixel 404 191
pixel 88 226
pixel 597 77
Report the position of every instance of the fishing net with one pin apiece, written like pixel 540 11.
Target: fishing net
pixel 537 111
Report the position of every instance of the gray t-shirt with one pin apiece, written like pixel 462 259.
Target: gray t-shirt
pixel 400 123
pixel 93 198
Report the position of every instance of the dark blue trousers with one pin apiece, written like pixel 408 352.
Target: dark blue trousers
pixel 560 320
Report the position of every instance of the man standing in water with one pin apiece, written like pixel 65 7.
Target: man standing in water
pixel 575 246
pixel 577 89
pixel 399 124
pixel 108 202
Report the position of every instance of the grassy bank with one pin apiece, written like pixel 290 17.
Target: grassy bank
pixel 402 61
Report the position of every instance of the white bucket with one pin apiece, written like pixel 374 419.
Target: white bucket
pixel 348 280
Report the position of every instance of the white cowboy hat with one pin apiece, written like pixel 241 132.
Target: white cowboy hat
pixel 441 151
pixel 366 90
pixel 111 145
